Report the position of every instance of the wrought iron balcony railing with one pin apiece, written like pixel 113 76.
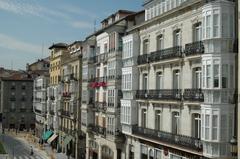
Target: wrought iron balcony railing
pixel 170 138
pixel 97 129
pixel 142 59
pixel 194 48
pixel 162 94
pixel 65 113
pixel 193 95
pixel 101 106
pixel 168 53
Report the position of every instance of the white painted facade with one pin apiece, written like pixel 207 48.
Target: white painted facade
pixel 184 92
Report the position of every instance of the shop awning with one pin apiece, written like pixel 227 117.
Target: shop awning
pixel 47 134
pixel 53 137
pixel 66 140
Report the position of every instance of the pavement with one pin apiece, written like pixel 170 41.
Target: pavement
pixel 19 146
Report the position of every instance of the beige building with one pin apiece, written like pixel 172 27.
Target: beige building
pixel 69 112
pixel 59 52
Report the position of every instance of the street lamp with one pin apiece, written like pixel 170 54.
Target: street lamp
pixel 234 147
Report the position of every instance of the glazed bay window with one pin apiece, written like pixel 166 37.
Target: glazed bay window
pixel 208 76
pixel 216 23
pixel 110 125
pixel 208 26
pixel 146 46
pixel 207 126
pixel 175 122
pixel 225 76
pixel 111 95
pixel 158 120
pixel 159 80
pixel 160 42
pixel 216 75
pixel 144 118
pixel 177 37
pixel 127 81
pixel 111 69
pixel 215 125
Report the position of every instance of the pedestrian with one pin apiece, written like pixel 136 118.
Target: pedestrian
pixel 31 153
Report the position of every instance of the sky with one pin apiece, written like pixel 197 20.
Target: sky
pixel 29 27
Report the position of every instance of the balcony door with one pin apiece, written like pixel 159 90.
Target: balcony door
pixel 159 81
pixel 160 42
pixel 177 38
pixel 197 32
pixel 145 81
pixel 144 118
pixel 175 122
pixel 176 79
pixel 146 46
pixel 158 120
pixel 197 78
pixel 196 125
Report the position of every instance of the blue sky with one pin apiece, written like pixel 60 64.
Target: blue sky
pixel 29 26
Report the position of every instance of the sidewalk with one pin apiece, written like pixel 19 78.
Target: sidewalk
pixel 33 141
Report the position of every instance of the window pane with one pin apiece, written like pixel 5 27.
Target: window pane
pixel 216 75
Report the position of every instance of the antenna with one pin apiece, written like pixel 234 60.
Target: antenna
pixel 11 65
pixel 42 49
pixel 94 29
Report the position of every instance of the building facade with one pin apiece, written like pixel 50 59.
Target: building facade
pixel 40 104
pixel 59 52
pixel 102 89
pixel 17 103
pixel 69 111
pixel 186 81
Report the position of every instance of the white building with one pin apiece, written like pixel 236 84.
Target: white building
pixel 186 76
pixel 101 119
pixel 40 103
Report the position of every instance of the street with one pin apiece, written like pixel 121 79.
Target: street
pixel 19 148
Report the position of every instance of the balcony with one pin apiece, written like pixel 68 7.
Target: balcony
pixel 66 94
pixel 142 59
pixel 193 95
pixel 169 53
pixel 100 58
pixel 52 98
pixel 12 99
pixel 194 48
pixel 162 94
pixel 51 112
pixel 114 77
pixel 169 138
pixel 97 129
pixel 101 106
pixel 22 110
pixel 64 113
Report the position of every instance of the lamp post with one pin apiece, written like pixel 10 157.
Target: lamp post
pixel 234 147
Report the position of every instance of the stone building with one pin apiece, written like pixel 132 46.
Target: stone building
pixel 59 52
pixel 17 102
pixel 102 88
pixel 69 112
pixel 40 104
pixel 186 81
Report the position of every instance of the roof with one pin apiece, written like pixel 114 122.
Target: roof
pixel 58 45
pixel 75 42
pixel 119 11
pixel 110 25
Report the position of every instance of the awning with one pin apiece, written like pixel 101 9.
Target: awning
pixel 53 137
pixel 66 140
pixel 47 134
